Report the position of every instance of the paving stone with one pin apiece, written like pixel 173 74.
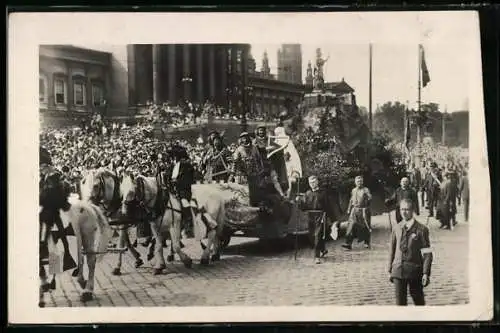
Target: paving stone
pixel 249 274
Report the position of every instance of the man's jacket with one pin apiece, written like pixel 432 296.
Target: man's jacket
pixel 410 251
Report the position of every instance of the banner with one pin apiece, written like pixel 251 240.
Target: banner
pixel 423 65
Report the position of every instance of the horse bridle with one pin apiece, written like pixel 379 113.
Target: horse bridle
pixel 99 198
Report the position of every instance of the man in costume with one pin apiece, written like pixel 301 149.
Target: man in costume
pixel 49 214
pixel 359 215
pixel 316 199
pixel 217 160
pixel 183 178
pixel 253 168
pixel 274 154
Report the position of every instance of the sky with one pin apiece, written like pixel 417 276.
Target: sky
pixel 450 39
pixel 394 71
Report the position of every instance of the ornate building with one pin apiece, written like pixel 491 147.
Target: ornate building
pixel 130 76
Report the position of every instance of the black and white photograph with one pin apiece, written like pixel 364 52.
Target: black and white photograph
pixel 251 166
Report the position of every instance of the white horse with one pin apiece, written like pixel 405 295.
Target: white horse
pixel 140 194
pixel 92 234
pixel 102 187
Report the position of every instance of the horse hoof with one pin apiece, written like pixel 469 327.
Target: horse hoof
pixel 170 258
pixel 52 284
pixel 215 257
pixel 116 271
pixel 86 296
pixel 45 287
pixel 82 283
pixel 157 271
pixel 41 304
pixel 75 272
pixel 139 263
pixel 188 263
pixel 150 256
pixel 204 262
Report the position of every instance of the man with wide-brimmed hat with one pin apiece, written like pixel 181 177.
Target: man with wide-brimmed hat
pixel 183 178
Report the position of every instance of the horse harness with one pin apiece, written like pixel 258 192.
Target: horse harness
pixel 114 203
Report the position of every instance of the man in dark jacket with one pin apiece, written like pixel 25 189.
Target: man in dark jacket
pixel 183 178
pixel 410 257
pixel 316 199
pixel 402 193
pixel 432 182
pixel 446 202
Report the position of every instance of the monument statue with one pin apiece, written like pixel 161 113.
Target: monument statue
pixel 318 70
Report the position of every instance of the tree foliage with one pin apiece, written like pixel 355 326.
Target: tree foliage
pixel 374 158
pixel 389 119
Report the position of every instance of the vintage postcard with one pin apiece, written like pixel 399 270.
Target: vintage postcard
pixel 239 167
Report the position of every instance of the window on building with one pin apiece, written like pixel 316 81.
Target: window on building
pixel 79 92
pixel 60 91
pixel 42 90
pixel 97 95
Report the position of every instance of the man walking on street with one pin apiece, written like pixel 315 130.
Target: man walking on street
pixel 410 257
pixel 359 215
pixel 317 199
pixel 403 192
pixel 432 183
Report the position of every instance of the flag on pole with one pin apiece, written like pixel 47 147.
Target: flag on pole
pixel 407 135
pixel 423 65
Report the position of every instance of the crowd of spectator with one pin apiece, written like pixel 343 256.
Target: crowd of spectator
pixel 115 146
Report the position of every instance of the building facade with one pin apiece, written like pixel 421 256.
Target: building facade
pixel 73 79
pixel 290 63
pixel 117 79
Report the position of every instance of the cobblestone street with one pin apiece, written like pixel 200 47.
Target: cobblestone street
pixel 251 273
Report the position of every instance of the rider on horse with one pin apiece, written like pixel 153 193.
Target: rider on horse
pixel 52 184
pixel 182 178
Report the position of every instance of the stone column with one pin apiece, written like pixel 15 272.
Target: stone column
pixel 224 74
pixel 186 71
pixel 234 82
pixel 156 73
pixel 211 70
pixel 199 73
pixel 172 84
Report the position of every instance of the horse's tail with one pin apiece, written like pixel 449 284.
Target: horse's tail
pixel 104 232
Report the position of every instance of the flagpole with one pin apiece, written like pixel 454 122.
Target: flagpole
pixel 370 116
pixel 419 90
